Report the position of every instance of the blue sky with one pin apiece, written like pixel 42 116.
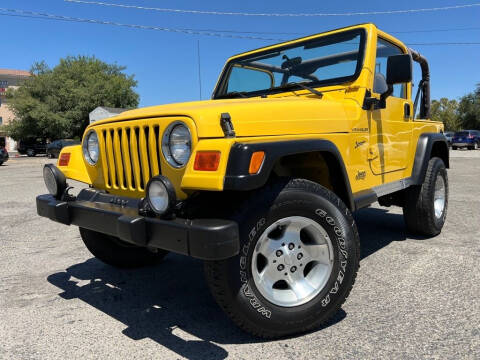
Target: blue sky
pixel 165 64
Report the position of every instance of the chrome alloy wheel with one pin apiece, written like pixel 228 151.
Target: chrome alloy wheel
pixel 439 197
pixel 292 261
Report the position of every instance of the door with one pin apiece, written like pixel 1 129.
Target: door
pixel 390 128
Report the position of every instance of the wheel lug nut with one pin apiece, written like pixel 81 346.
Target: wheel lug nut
pixel 280 267
pixel 293 269
pixel 291 246
pixel 279 253
pixel 299 256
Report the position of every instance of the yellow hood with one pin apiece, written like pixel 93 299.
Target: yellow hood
pixel 259 116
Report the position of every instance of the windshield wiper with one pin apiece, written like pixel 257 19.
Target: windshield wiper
pixel 233 94
pixel 303 86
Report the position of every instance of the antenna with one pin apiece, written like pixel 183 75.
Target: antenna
pixel 199 70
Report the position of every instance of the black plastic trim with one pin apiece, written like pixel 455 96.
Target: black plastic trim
pixel 206 239
pixel 423 155
pixel 238 178
pixel 364 198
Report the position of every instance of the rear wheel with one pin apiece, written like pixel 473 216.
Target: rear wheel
pixel 118 253
pixel 297 264
pixel 454 148
pixel 425 208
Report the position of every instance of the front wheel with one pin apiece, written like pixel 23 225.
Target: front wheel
pixel 297 264
pixel 115 252
pixel 425 208
pixel 31 153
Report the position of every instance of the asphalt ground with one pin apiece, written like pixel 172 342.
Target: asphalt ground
pixel 413 298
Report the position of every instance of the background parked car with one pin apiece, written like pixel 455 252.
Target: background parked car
pixel 32 147
pixel 54 148
pixel 469 139
pixel 449 136
pixel 3 155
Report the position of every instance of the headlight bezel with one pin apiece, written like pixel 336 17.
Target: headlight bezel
pixel 166 144
pixel 85 148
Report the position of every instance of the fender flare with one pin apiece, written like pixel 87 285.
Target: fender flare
pixel 423 155
pixel 237 177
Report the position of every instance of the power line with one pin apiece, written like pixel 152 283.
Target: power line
pixel 205 12
pixel 248 32
pixel 45 16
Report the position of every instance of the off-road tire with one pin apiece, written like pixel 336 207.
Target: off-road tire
pixel 115 252
pixel 231 281
pixel 418 210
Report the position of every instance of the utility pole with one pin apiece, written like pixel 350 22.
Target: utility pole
pixel 199 70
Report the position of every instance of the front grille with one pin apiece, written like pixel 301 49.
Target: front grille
pixel 130 155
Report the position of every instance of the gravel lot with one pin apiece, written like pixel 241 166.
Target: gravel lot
pixel 413 299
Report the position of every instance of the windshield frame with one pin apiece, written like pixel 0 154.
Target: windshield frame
pixel 218 91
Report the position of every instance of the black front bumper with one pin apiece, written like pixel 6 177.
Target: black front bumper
pixel 206 239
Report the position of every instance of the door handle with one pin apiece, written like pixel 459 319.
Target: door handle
pixel 372 153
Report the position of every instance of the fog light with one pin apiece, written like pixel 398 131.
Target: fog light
pixel 161 195
pixel 54 180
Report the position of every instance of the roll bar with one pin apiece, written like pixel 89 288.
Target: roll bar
pixel 424 85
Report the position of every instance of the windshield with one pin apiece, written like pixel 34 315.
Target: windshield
pixel 328 60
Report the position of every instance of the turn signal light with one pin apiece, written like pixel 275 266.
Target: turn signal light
pixel 256 162
pixel 64 159
pixel 207 161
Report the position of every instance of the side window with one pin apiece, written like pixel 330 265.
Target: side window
pixel 384 50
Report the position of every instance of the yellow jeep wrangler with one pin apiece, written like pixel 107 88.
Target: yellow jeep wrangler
pixel 261 181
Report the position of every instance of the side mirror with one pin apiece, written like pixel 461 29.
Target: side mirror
pixel 399 71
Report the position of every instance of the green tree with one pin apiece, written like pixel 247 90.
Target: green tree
pixel 446 111
pixel 469 109
pixel 55 103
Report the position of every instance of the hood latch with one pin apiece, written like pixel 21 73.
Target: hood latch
pixel 227 126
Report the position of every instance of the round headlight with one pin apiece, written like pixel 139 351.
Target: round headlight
pixel 161 195
pixel 177 144
pixel 90 146
pixel 54 180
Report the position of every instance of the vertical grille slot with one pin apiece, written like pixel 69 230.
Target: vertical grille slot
pixel 103 152
pixel 127 164
pixel 143 153
pixel 111 159
pixel 118 157
pixel 157 147
pixel 134 152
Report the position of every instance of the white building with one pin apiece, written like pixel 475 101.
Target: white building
pixel 103 112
